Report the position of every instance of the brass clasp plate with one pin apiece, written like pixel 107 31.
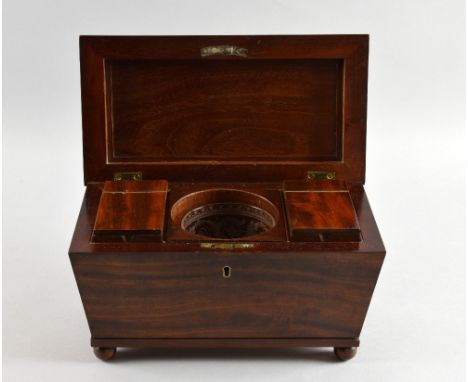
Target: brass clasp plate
pixel 226 246
pixel 223 50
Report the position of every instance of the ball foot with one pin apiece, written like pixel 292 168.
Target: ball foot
pixel 344 354
pixel 104 354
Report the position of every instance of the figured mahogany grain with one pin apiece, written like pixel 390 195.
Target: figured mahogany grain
pixel 176 290
pixel 131 207
pixel 370 244
pixel 184 295
pixel 257 123
pixel 273 110
pixel 155 105
pixel 321 216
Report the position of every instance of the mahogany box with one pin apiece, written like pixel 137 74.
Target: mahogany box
pixel 224 202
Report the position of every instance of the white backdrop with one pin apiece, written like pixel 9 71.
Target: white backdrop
pixel 414 330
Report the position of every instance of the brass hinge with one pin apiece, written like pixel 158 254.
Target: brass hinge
pixel 318 175
pixel 128 176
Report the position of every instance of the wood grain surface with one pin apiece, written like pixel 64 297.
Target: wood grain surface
pixel 276 290
pixel 256 123
pixel 181 295
pixel 321 216
pixel 371 242
pixel 156 105
pixel 220 343
pixel 129 208
pixel 273 110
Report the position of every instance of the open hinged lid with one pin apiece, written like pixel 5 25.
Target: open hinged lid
pixel 224 108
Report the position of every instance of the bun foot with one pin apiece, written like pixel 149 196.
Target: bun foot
pixel 344 354
pixel 104 354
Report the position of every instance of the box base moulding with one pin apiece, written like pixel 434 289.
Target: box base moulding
pixel 106 348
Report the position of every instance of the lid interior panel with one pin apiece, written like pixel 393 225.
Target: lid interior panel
pixel 224 110
pixel 159 106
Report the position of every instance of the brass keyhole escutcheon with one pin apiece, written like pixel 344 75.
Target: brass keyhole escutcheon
pixel 226 272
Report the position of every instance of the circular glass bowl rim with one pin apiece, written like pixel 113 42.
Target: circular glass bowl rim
pixel 252 200
pixel 208 210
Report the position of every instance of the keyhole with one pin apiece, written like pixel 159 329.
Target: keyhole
pixel 226 272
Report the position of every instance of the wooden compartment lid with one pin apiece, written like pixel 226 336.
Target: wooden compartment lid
pixel 131 211
pixel 224 108
pixel 320 211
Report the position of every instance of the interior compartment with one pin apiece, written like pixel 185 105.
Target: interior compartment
pixel 315 211
pixel 225 214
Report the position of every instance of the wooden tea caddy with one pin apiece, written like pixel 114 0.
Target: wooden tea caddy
pixel 224 202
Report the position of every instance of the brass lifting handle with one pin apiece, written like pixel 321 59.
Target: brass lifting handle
pixel 223 50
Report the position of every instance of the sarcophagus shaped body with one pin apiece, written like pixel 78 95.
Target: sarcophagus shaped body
pixel 224 202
